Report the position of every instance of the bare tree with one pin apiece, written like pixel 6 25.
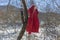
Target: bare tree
pixel 24 22
pixel 8 10
pixel 8 6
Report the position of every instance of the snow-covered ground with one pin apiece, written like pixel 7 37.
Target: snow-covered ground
pixel 11 33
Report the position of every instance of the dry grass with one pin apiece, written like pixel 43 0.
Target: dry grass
pixel 12 14
pixel 51 17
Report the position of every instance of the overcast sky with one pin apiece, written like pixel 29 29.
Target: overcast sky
pixel 42 5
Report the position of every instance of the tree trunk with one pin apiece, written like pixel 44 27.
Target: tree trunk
pixel 24 22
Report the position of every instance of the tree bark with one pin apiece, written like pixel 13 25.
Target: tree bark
pixel 24 22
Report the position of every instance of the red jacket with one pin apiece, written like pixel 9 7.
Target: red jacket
pixel 33 21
